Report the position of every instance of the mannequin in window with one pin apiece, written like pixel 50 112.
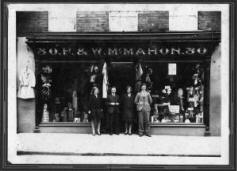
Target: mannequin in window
pixel 139 73
pixel 148 78
pixel 191 103
pixel 165 100
pixel 178 99
pixel 45 90
pixel 26 83
pixel 95 76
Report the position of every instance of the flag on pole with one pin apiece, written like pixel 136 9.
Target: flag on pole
pixel 105 81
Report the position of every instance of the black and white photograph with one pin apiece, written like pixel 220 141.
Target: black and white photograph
pixel 118 83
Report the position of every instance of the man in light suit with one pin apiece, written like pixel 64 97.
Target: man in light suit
pixel 143 101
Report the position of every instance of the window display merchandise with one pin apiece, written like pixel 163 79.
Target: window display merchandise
pixel 26 83
pixel 176 98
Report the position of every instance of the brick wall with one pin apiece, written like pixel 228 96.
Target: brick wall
pixel 153 21
pixel 209 20
pixel 98 21
pixel 31 22
pixel 92 21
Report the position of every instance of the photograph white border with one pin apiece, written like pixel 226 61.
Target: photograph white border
pixel 12 103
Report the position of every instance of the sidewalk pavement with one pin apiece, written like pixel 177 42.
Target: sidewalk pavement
pixel 118 145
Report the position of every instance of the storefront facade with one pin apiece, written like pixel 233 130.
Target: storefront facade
pixel 176 66
pixel 122 52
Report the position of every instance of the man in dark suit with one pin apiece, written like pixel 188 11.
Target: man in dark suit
pixel 113 112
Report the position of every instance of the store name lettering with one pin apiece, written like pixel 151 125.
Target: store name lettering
pixel 121 51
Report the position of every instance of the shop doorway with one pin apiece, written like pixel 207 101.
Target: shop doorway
pixel 121 75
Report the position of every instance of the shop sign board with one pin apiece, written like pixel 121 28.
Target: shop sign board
pixel 121 51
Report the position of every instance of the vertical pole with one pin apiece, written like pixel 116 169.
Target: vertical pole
pixel 207 97
pixel 37 111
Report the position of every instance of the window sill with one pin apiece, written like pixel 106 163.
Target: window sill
pixel 64 124
pixel 199 125
pixel 84 124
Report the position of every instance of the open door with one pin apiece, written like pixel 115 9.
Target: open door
pixel 122 75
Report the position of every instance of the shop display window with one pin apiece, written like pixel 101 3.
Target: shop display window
pixel 178 97
pixel 177 89
pixel 63 91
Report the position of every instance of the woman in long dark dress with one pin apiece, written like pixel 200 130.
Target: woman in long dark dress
pixel 95 111
pixel 128 109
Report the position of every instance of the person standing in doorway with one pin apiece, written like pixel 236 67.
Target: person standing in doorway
pixel 113 112
pixel 127 104
pixel 143 101
pixel 95 111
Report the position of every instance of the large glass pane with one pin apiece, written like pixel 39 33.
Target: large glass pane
pixel 178 97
